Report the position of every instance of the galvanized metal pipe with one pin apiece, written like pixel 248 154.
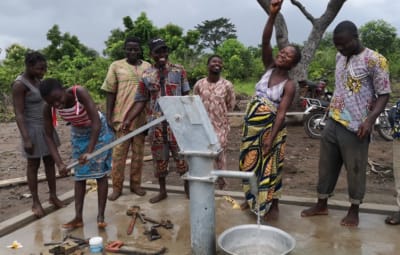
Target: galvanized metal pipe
pixel 202 206
pixel 121 140
pixel 239 175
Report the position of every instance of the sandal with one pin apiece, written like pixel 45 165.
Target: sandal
pixel 72 225
pixel 394 219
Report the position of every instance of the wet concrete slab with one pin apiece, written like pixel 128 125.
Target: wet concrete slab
pixel 314 235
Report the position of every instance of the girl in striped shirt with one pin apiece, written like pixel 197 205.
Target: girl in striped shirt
pixel 89 132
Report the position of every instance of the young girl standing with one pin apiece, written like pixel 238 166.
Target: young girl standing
pixel 28 109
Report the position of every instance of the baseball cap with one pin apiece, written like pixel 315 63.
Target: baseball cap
pixel 156 43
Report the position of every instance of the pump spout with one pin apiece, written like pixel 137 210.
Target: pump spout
pixel 239 175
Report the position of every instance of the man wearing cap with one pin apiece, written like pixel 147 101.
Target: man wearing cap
pixel 162 79
pixel 120 85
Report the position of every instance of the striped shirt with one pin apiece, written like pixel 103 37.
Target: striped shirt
pixel 77 114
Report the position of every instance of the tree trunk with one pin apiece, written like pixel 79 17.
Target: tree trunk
pixel 319 25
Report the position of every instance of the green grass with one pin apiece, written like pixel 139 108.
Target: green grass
pixel 245 87
pixel 248 88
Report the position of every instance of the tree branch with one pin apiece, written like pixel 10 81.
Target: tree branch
pixel 308 15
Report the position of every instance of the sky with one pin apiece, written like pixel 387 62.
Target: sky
pixel 26 22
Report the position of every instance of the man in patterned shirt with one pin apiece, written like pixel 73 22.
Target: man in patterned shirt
pixel 218 97
pixel 162 79
pixel 120 85
pixel 362 90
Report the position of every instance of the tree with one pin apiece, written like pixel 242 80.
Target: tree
pixel 214 32
pixel 65 45
pixel 238 61
pixel 12 65
pixel 378 35
pixel 319 25
pixel 141 28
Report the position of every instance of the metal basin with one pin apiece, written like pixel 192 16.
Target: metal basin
pixel 256 240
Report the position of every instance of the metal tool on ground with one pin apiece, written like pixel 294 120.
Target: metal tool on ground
pixel 66 248
pixel 57 242
pixel 133 212
pixel 152 234
pixel 167 224
pixel 119 247
pixel 141 217
pixel 78 240
pixel 69 244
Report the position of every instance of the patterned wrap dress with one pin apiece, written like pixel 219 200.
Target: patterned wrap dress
pixel 259 118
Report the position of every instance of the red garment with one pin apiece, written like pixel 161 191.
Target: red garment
pixel 75 115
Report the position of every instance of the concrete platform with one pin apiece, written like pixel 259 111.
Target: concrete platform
pixel 314 235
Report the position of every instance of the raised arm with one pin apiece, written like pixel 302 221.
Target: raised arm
pixel 274 9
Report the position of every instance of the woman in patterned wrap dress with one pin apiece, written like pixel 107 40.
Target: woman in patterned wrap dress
pixel 264 133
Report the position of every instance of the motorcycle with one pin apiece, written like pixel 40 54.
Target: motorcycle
pixel 316 115
pixel 383 126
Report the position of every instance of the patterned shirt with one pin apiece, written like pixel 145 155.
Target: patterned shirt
pixel 122 79
pixel 357 83
pixel 149 89
pixel 218 98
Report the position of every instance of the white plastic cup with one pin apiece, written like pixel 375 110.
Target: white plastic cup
pixel 96 244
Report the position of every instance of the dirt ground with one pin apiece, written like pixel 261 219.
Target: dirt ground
pixel 300 170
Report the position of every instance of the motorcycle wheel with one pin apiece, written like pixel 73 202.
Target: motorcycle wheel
pixel 384 129
pixel 312 125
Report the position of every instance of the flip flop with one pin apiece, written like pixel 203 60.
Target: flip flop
pixel 72 225
pixel 394 219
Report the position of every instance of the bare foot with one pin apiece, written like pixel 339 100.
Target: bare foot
pixel 158 198
pixel 315 210
pixel 351 219
pixel 37 210
pixel 138 190
pixel 101 223
pixel 244 206
pixel 56 202
pixel 114 195
pixel 75 223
